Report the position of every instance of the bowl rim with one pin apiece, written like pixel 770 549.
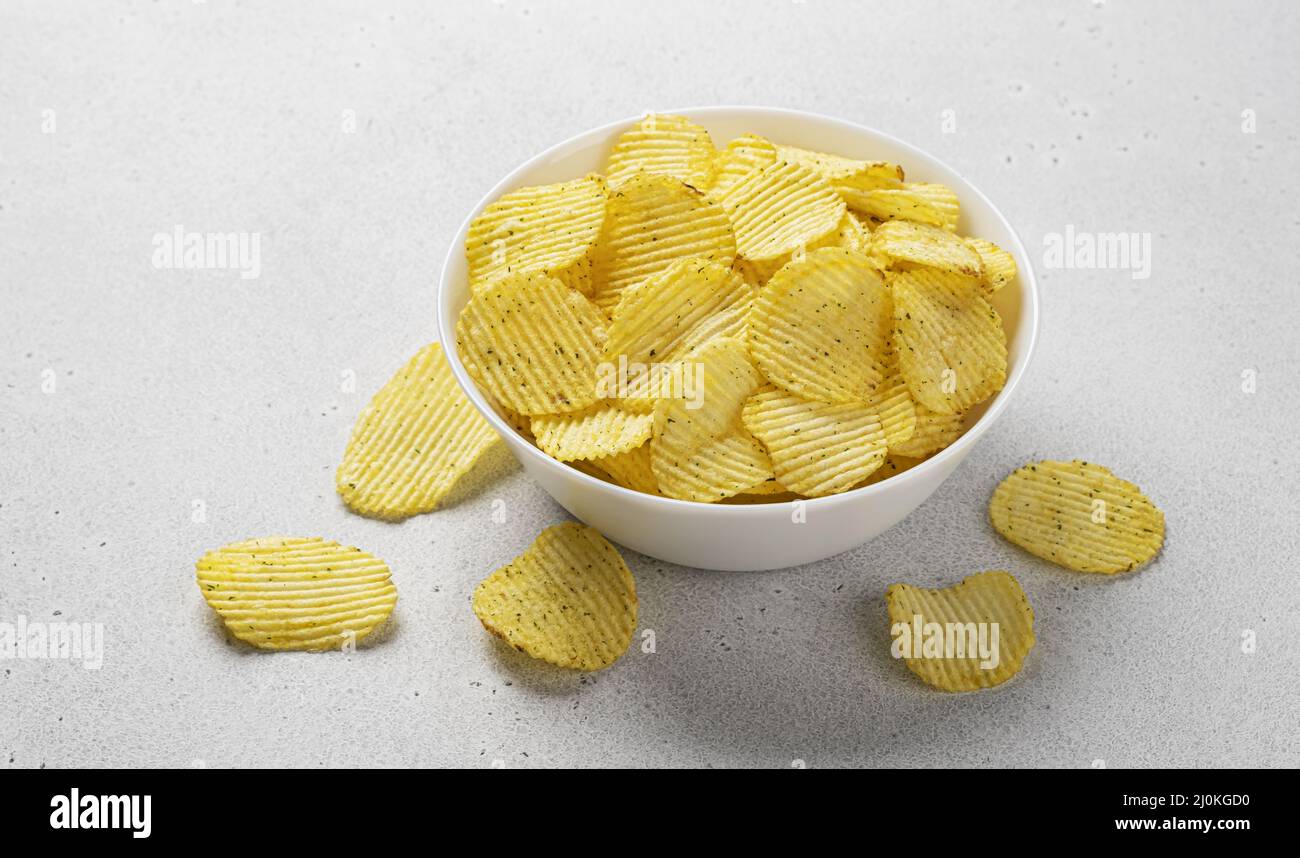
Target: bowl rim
pixel 1029 308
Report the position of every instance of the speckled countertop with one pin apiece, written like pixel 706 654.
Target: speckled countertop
pixel 134 400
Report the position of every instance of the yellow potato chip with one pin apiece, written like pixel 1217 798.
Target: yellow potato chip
pixel 569 599
pixel 1078 515
pixel 416 438
pixel 906 244
pixel 699 450
pixel 631 470
pixel 550 229
pixel 950 342
pixel 740 156
pixel 600 430
pixel 999 265
pixel 925 203
pixel 892 402
pixel 665 316
pixel 662 144
pixel 820 328
pixel 533 343
pixel 932 433
pixel 779 209
pixel 849 235
pixel 654 221
pixel 969 636
pixel 817 448
pixel 852 179
pixel 285 593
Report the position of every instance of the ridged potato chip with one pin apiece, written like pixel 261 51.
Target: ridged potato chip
pixel 654 221
pixel 550 229
pixel 906 244
pixel 951 346
pixel 744 154
pixel 817 449
pixel 892 402
pixel 704 453
pixel 932 432
pixel 631 470
pixel 820 328
pixel 666 145
pixel 286 593
pixel 946 636
pixel 849 235
pixel 416 438
pixel 779 209
pixel 925 203
pixel 667 315
pixel 569 599
pixel 600 430
pixel 1078 515
pixel 533 343
pixel 852 179
pixel 999 265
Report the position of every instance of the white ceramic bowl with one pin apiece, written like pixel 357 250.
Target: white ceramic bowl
pixel 753 536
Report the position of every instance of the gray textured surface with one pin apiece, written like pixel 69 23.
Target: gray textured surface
pixel 172 386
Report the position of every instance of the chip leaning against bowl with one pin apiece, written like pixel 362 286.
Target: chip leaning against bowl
pixel 754 322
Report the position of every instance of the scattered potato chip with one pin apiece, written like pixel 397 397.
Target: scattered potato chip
pixel 925 203
pixel 631 470
pixel 739 157
pixel 1078 515
pixel 416 438
pixel 654 221
pixel 906 244
pixel 533 343
pixel 820 328
pixel 852 179
pixel 779 209
pixel 950 342
pixel 817 448
pixel 704 453
pixel 999 265
pixel 600 430
pixel 665 145
pixel 285 593
pixel 969 636
pixel 932 433
pixel 569 599
pixel 550 229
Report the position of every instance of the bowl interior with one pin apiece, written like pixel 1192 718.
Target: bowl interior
pixel 587 152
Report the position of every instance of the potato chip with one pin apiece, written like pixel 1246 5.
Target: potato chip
pixel 906 245
pixel 416 438
pixel 631 470
pixel 925 203
pixel 969 636
pixel 779 209
pixel 820 328
pixel 852 179
pixel 700 451
pixel 950 342
pixel 533 343
pixel 550 229
pixel 286 593
pixel 600 430
pixel 665 145
pixel 817 448
pixel 667 315
pixel 569 599
pixel 740 156
pixel 931 434
pixel 893 466
pixel 849 235
pixel 1078 515
pixel 999 266
pixel 892 402
pixel 654 221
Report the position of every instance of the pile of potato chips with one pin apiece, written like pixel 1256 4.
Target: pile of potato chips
pixel 755 323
